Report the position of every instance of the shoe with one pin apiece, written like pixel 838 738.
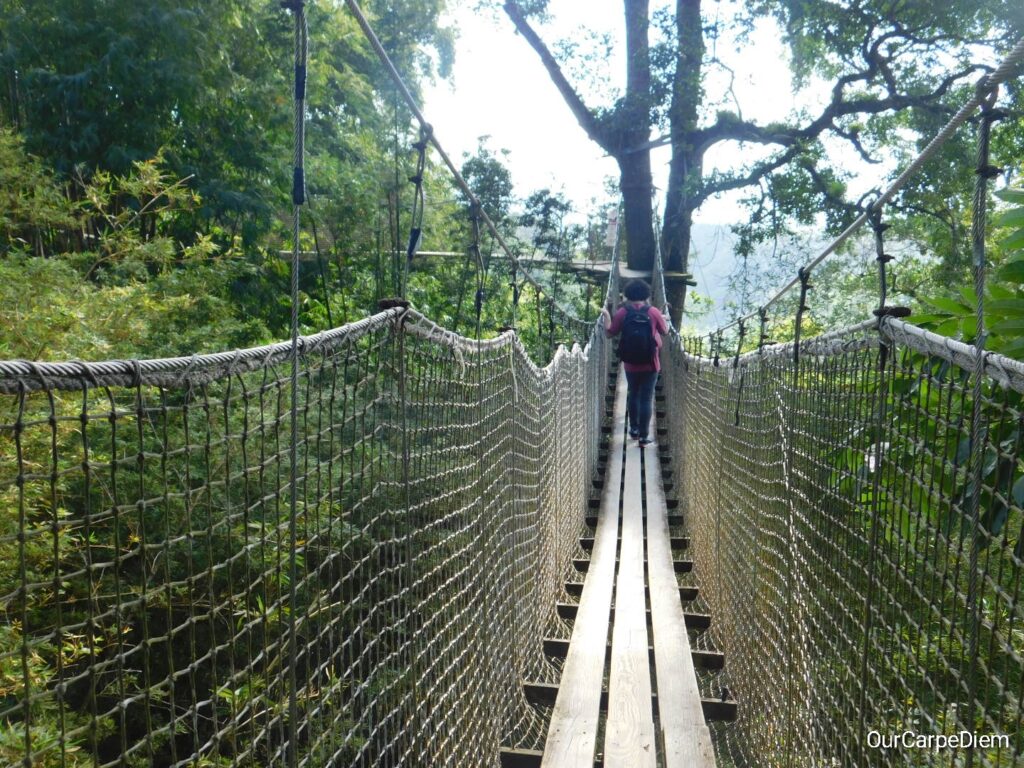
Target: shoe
pixel 634 433
pixel 645 441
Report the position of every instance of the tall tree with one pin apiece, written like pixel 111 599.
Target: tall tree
pixel 883 58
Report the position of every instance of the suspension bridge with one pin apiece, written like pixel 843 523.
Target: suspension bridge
pixel 391 545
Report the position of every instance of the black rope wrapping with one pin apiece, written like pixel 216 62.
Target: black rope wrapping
pixel 418 200
pixel 735 365
pixel 804 276
pixel 762 333
pixel 881 257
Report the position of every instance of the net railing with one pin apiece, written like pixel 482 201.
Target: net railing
pixel 148 559
pixel 867 617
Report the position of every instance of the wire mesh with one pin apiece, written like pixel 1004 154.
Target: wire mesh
pixel 828 503
pixel 145 558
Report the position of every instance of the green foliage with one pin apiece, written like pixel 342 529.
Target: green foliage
pixel 954 314
pixel 125 289
pixel 32 205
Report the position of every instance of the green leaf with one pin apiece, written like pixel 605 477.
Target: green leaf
pixel 1011 218
pixel 1017 492
pixel 995 518
pixel 951 306
pixel 969 327
pixel 1012 271
pixel 1014 240
pixel 1014 349
pixel 1011 326
pixel 1007 307
pixel 1011 195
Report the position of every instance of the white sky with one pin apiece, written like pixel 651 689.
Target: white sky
pixel 500 89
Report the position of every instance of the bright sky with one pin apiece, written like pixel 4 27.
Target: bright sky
pixel 500 89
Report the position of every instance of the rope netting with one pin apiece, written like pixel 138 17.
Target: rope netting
pixel 856 506
pixel 146 560
pixel 828 502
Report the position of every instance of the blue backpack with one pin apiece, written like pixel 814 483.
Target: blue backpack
pixel 636 344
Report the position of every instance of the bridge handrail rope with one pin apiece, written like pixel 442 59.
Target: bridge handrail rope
pixel 428 132
pixel 988 84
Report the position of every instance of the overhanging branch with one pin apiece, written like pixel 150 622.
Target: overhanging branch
pixel 583 114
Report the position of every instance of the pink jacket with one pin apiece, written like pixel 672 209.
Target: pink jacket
pixel 658 326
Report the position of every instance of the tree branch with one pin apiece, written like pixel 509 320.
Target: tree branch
pixel 854 139
pixel 583 114
pixel 758 172
pixel 729 127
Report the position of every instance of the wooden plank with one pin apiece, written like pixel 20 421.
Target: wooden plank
pixel 572 735
pixel 629 740
pixel 575 588
pixel 694 621
pixel 544 694
pixel 684 733
pixel 559 648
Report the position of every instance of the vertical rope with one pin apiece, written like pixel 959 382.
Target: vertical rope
pixel 879 397
pixel 985 172
pixel 298 198
pixel 418 204
pixel 412 723
pixel 881 257
pixel 804 276
pixel 26 678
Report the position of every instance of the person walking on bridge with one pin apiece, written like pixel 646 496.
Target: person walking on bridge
pixel 641 328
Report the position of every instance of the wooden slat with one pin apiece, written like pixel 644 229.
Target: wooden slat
pixel 572 735
pixel 559 648
pixel 629 732
pixel 684 732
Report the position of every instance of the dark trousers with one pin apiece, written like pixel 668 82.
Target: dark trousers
pixel 640 399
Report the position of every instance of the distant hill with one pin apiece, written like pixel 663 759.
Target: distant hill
pixel 712 261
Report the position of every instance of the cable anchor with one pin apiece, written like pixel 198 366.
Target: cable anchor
pixel 804 276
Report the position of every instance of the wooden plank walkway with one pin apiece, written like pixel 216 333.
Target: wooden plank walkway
pixel 572 736
pixel 631 739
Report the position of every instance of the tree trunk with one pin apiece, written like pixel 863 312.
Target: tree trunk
pixel 634 127
pixel 686 168
pixel 635 182
pixel 677 229
pixel 626 128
